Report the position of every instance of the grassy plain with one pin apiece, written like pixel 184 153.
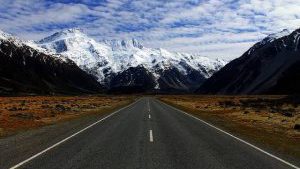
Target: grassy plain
pixel 23 113
pixel 273 122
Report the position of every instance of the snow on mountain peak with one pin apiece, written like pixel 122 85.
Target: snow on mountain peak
pixel 12 38
pixel 4 35
pixel 108 57
pixel 280 34
pixel 274 36
pixel 270 38
pixel 124 44
pixel 65 34
pixel 29 43
pixel 17 41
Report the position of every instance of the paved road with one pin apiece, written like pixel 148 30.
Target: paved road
pixel 151 135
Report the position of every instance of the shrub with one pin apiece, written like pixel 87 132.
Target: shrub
pixel 297 127
pixel 287 114
pixel 246 112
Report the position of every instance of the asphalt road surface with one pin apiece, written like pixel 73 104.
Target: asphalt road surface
pixel 149 134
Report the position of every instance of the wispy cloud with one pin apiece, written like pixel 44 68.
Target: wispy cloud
pixel 216 28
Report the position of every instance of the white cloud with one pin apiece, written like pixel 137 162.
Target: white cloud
pixel 224 28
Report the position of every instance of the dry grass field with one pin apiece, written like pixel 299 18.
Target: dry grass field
pixel 22 113
pixel 271 121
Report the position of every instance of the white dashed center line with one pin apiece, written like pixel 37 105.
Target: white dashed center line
pixel 149 116
pixel 151 135
pixel 148 106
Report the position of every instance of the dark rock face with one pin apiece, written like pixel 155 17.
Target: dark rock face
pixel 24 70
pixel 172 80
pixel 289 83
pixel 132 80
pixel 139 79
pixel 269 67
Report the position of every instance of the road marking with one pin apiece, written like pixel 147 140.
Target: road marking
pixel 239 139
pixel 151 135
pixel 149 116
pixel 68 138
pixel 148 106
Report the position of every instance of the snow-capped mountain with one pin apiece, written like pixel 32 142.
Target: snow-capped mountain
pixel 270 38
pixel 277 35
pixel 127 63
pixel 27 68
pixel 271 66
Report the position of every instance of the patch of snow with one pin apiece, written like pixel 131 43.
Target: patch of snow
pixel 4 35
pixel 20 43
pixel 296 40
pixel 284 32
pixel 274 36
pixel 270 38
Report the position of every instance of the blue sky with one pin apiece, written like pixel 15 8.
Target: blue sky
pixel 214 28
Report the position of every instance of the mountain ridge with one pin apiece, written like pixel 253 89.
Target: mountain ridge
pixel 108 59
pixel 261 69
pixel 31 70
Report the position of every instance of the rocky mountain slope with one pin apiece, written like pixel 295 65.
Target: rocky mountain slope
pixel 271 66
pixel 27 69
pixel 127 65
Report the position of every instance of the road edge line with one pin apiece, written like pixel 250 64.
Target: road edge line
pixel 235 137
pixel 71 136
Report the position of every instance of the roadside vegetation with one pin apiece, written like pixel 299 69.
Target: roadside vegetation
pixel 273 122
pixel 23 113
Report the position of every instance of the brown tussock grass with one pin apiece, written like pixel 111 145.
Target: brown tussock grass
pixel 23 113
pixel 266 120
